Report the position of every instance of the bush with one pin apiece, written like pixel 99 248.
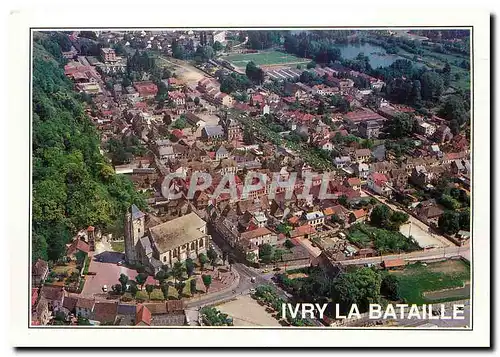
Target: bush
pixel 142 295
pixel 157 294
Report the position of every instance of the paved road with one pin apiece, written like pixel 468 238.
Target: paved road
pixel 436 253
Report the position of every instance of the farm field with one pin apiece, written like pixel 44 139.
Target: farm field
pixel 264 58
pixel 416 280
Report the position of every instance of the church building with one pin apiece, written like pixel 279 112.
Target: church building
pixel 164 243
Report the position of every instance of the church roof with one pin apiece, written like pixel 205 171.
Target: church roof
pixel 177 232
pixel 136 213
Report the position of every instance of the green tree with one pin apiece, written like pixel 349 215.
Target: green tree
pixel 117 288
pixel 180 287
pixel 207 280
pixel 217 46
pixel 311 64
pixel 361 287
pixel 401 125
pixel 449 222
pixel 212 256
pixel 141 278
pixel 380 215
pixel 254 72
pixel 149 289
pixel 123 279
pixel 432 85
pixel 161 276
pixel 178 271
pixel 189 267
pixel 192 283
pixel 197 101
pixel 288 244
pixel 464 219
pixel 265 253
pixel 202 258
pixel 390 287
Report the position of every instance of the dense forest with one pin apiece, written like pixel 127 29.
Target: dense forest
pixel 74 186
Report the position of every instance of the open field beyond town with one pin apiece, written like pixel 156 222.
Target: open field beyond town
pixel 264 58
pixel 415 280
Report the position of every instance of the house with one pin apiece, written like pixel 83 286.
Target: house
pixel 315 218
pixel 221 153
pixel 108 55
pixel 76 246
pixel 443 134
pixel 342 161
pixel 420 176
pixel 105 312
pixel 354 183
pixel 142 316
pixel 362 155
pixel 212 133
pixel 54 296
pixel 146 89
pixel 370 129
pixel 429 210
pixel 258 236
pixel 40 314
pixel 358 216
pixel 398 177
pixel 379 153
pixel 169 313
pixel 69 303
pixel 223 99
pixel 39 272
pixel 361 170
pixel 393 264
pixel 425 129
pixel 177 97
pixel 84 307
pixel 378 183
pixel 326 145
pixel 304 231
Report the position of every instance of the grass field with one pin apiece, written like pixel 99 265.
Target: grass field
pixel 118 246
pixel 417 279
pixel 264 58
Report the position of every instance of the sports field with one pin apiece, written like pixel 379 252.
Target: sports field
pixel 264 58
pixel 436 282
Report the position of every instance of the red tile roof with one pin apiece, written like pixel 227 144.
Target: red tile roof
pixel 360 213
pixel 78 245
pixel 142 315
pixel 394 263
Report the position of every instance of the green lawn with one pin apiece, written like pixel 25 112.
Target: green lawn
pixel 416 279
pixel 118 246
pixel 263 58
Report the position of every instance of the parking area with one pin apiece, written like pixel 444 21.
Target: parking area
pixel 245 311
pixel 107 273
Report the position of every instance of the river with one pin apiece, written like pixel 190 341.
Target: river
pixel 377 55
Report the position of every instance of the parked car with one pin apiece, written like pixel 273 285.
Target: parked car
pixel 121 262
pixel 105 288
pixel 252 279
pixel 265 271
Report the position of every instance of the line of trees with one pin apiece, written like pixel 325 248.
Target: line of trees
pixel 73 184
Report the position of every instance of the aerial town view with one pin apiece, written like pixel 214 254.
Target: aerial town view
pixel 251 178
